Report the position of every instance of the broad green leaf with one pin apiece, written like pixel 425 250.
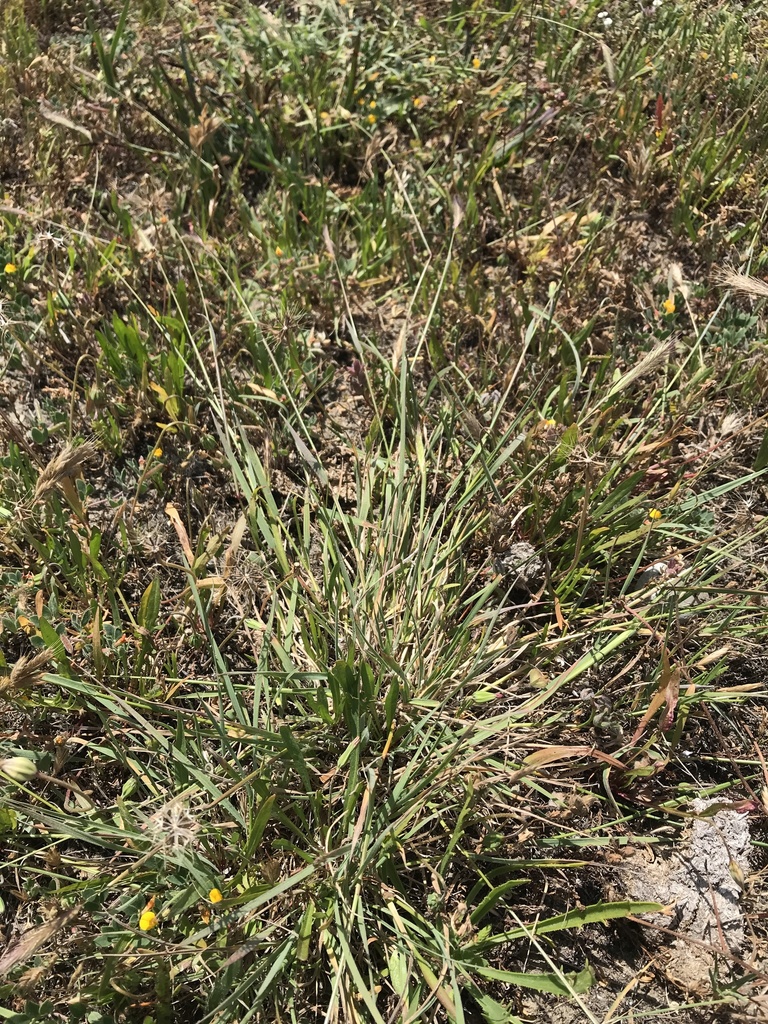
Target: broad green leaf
pixel 8 819
pixel 554 984
pixel 398 972
pixel 305 932
pixel 150 606
pixel 597 913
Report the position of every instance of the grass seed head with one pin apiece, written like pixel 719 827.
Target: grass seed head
pixel 27 672
pixel 64 465
pixel 728 277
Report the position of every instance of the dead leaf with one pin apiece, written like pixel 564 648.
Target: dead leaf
pixel 667 693
pixel 557 752
pixel 562 623
pixel 172 513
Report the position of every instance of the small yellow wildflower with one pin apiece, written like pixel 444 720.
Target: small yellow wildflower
pixel 372 104
pixel 475 62
pixel 215 896
pixel 158 453
pixel 418 101
pixel 734 76
pixel 669 305
pixel 432 59
pixel 704 55
pixel 148 921
pixel 654 513
pixel 278 251
pixel 361 101
pixel 371 119
pixel 548 423
pixel 10 268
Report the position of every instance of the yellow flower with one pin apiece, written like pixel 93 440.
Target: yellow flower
pixel 372 104
pixel 669 304
pixel 278 251
pixel 654 513
pixel 10 268
pixel 371 119
pixel 704 55
pixel 734 76
pixel 148 921
pixel 215 896
pixel 158 453
pixel 432 59
pixel 418 101
pixel 475 62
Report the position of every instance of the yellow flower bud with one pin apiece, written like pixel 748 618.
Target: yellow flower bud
pixel 148 921
pixel 215 896
pixel 19 769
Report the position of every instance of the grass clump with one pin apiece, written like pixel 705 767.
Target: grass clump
pixel 383 455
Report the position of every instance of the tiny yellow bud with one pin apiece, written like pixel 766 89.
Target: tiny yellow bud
pixel 371 119
pixel 215 896
pixel 10 268
pixel 158 453
pixel 278 251
pixel 475 62
pixel 654 513
pixel 148 921
pixel 19 769
pixel 669 305
pixel 432 59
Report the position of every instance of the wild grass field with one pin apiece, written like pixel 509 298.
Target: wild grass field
pixel 383 509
